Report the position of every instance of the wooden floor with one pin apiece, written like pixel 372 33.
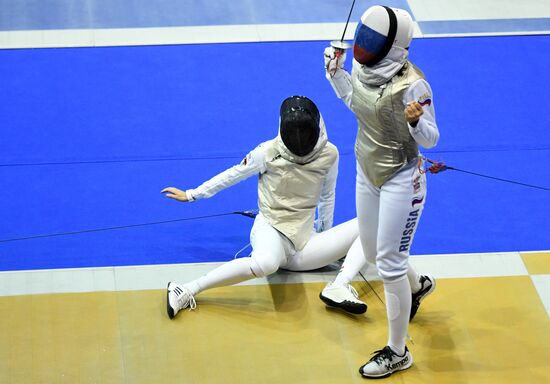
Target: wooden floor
pixel 471 330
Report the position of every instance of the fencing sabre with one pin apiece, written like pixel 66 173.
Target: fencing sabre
pixel 341 45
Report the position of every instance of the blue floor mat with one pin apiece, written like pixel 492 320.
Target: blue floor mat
pixel 90 137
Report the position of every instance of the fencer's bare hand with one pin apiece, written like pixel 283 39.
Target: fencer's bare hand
pixel 413 111
pixel 176 194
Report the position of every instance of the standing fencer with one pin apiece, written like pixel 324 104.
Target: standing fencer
pixel 393 104
pixel 297 176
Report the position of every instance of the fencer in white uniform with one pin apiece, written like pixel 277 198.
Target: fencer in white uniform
pixel 394 107
pixel 297 174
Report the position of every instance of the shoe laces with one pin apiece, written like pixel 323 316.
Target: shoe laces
pixel 383 356
pixel 185 297
pixel 353 291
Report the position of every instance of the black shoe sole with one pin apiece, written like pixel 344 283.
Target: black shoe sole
pixel 356 309
pixel 379 377
pixel 375 377
pixel 169 309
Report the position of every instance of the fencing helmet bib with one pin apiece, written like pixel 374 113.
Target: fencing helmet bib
pixel 299 128
pixel 379 29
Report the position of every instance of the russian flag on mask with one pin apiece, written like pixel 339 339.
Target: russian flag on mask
pixel 367 44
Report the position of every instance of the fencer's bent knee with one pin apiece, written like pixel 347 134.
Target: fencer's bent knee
pixel 263 267
pixel 391 269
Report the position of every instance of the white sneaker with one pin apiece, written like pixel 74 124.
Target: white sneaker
pixel 427 286
pixel 385 362
pixel 344 297
pixel 177 298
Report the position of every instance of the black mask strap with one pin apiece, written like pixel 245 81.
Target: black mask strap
pixel 391 36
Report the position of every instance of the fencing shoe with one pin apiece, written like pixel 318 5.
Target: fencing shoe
pixel 344 297
pixel 385 362
pixel 427 286
pixel 177 298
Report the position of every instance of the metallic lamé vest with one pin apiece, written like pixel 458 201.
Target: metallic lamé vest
pixel 384 144
pixel 288 192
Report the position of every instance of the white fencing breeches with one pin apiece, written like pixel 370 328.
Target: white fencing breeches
pixel 271 250
pixel 388 217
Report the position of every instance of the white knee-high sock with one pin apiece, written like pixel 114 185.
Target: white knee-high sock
pixel 414 279
pixel 230 273
pixel 398 307
pixel 354 261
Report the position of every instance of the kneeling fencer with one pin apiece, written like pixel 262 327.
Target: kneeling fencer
pixel 393 104
pixel 297 176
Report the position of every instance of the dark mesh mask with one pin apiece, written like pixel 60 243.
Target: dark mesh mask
pixel 299 125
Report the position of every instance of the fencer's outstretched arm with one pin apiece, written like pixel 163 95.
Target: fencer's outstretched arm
pixel 424 130
pixel 252 164
pixel 338 77
pixel 325 208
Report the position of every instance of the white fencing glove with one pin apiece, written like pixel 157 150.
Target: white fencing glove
pixel 334 59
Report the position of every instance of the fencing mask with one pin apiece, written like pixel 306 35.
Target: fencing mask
pixel 299 129
pixel 379 29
